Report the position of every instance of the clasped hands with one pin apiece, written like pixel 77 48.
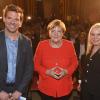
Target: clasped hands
pixel 10 96
pixel 57 72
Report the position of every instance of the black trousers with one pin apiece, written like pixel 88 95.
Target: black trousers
pixel 46 97
pixel 85 94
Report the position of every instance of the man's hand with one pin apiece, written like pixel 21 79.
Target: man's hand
pixel 4 95
pixel 16 95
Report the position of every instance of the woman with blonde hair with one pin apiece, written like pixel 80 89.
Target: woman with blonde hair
pixel 55 61
pixel 90 85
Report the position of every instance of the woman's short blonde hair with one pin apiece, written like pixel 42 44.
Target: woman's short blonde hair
pixel 55 23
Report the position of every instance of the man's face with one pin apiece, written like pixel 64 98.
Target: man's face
pixel 12 21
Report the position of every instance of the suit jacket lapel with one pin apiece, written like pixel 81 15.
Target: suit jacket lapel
pixel 19 53
pixel 3 51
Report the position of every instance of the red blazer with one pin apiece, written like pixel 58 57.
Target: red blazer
pixel 47 57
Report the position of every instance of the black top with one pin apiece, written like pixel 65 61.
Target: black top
pixel 91 72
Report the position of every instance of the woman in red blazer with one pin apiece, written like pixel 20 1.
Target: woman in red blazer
pixel 55 61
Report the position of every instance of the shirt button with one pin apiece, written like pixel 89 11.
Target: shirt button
pixel 87 71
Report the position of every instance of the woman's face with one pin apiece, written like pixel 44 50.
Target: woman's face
pixel 95 36
pixel 56 34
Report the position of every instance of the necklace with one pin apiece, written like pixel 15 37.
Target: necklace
pixel 55 44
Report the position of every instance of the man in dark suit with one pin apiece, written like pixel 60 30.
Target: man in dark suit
pixel 16 64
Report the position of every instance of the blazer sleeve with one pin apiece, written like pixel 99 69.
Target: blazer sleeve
pixel 28 68
pixel 73 60
pixel 38 61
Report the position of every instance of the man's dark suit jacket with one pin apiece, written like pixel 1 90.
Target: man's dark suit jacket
pixel 24 63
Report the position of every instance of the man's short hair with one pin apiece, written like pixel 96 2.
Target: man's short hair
pixel 15 8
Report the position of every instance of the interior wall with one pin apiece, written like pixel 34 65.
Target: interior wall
pixel 93 11
pixel 48 7
pixel 84 9
pixel 3 3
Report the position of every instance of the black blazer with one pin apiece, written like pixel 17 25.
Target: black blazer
pixel 24 63
pixel 91 73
